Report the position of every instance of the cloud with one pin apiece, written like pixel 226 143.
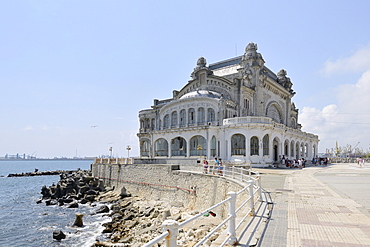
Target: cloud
pixel 358 62
pixel 347 121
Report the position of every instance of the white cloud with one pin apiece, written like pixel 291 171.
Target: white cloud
pixel 347 121
pixel 358 62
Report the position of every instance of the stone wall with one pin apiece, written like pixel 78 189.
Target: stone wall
pixel 195 191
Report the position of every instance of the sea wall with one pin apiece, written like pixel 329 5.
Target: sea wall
pixel 195 191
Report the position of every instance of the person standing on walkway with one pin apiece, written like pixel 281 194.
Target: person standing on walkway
pixel 220 167
pixel 205 165
pixel 217 164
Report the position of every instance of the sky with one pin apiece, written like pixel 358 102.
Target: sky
pixel 75 74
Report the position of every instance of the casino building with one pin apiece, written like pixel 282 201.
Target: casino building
pixel 237 110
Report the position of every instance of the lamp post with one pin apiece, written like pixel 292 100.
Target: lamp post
pixel 128 151
pixel 111 151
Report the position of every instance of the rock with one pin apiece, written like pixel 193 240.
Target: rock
pixel 50 202
pixel 58 235
pixel 72 205
pixel 78 221
pixel 102 209
pixel 124 193
pixel 166 214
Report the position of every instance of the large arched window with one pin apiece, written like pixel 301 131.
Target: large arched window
pixel 274 113
pixel 266 145
pixel 213 146
pixel 174 119
pixel 191 116
pixel 178 146
pixel 238 144
pixel 161 147
pixel 211 115
pixel 198 146
pixel 201 116
pixel 254 146
pixel 145 148
pixel 182 118
pixel 166 121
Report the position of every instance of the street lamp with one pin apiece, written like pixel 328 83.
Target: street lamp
pixel 110 150
pixel 128 151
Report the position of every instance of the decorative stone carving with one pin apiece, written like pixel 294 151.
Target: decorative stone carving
pixel 201 64
pixel 284 80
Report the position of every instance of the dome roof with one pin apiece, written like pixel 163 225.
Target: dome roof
pixel 202 93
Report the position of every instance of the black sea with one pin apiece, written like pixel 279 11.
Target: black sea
pixel 23 222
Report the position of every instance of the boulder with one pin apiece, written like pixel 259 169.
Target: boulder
pixel 102 209
pixel 72 205
pixel 58 235
pixel 124 193
pixel 78 221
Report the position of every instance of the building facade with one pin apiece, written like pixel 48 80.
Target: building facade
pixel 237 110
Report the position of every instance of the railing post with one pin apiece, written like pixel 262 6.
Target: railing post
pixel 231 232
pixel 259 186
pixel 251 200
pixel 173 228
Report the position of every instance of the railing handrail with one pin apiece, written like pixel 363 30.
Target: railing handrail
pixel 234 173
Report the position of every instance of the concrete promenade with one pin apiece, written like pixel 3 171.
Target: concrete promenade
pixel 318 206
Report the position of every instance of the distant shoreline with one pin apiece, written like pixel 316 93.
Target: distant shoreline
pixel 47 159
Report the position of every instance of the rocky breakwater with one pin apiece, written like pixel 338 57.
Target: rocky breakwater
pixel 134 220
pixel 74 187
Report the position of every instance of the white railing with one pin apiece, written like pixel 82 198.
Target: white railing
pixel 113 161
pixel 171 227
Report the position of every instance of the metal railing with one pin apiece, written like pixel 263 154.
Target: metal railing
pixel 254 194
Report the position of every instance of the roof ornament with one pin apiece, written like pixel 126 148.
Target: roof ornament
pixel 201 64
pixel 283 80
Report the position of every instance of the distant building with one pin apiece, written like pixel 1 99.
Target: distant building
pixel 237 110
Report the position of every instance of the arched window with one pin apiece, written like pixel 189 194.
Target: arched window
pixel 213 146
pixel 152 124
pixel 238 144
pixel 201 116
pixel 178 146
pixel 191 116
pixel 211 115
pixel 145 148
pixel 254 145
pixel 166 121
pixel 161 147
pixel 292 149
pixel 266 145
pixel 174 119
pixel 182 118
pixel 198 146
pixel 306 150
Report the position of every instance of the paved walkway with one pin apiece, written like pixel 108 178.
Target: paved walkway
pixel 318 206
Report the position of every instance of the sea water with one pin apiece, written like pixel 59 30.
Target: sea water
pixel 23 222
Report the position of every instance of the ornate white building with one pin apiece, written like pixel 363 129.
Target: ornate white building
pixel 236 109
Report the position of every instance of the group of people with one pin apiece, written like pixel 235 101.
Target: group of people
pixel 295 163
pixel 210 168
pixel 320 161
